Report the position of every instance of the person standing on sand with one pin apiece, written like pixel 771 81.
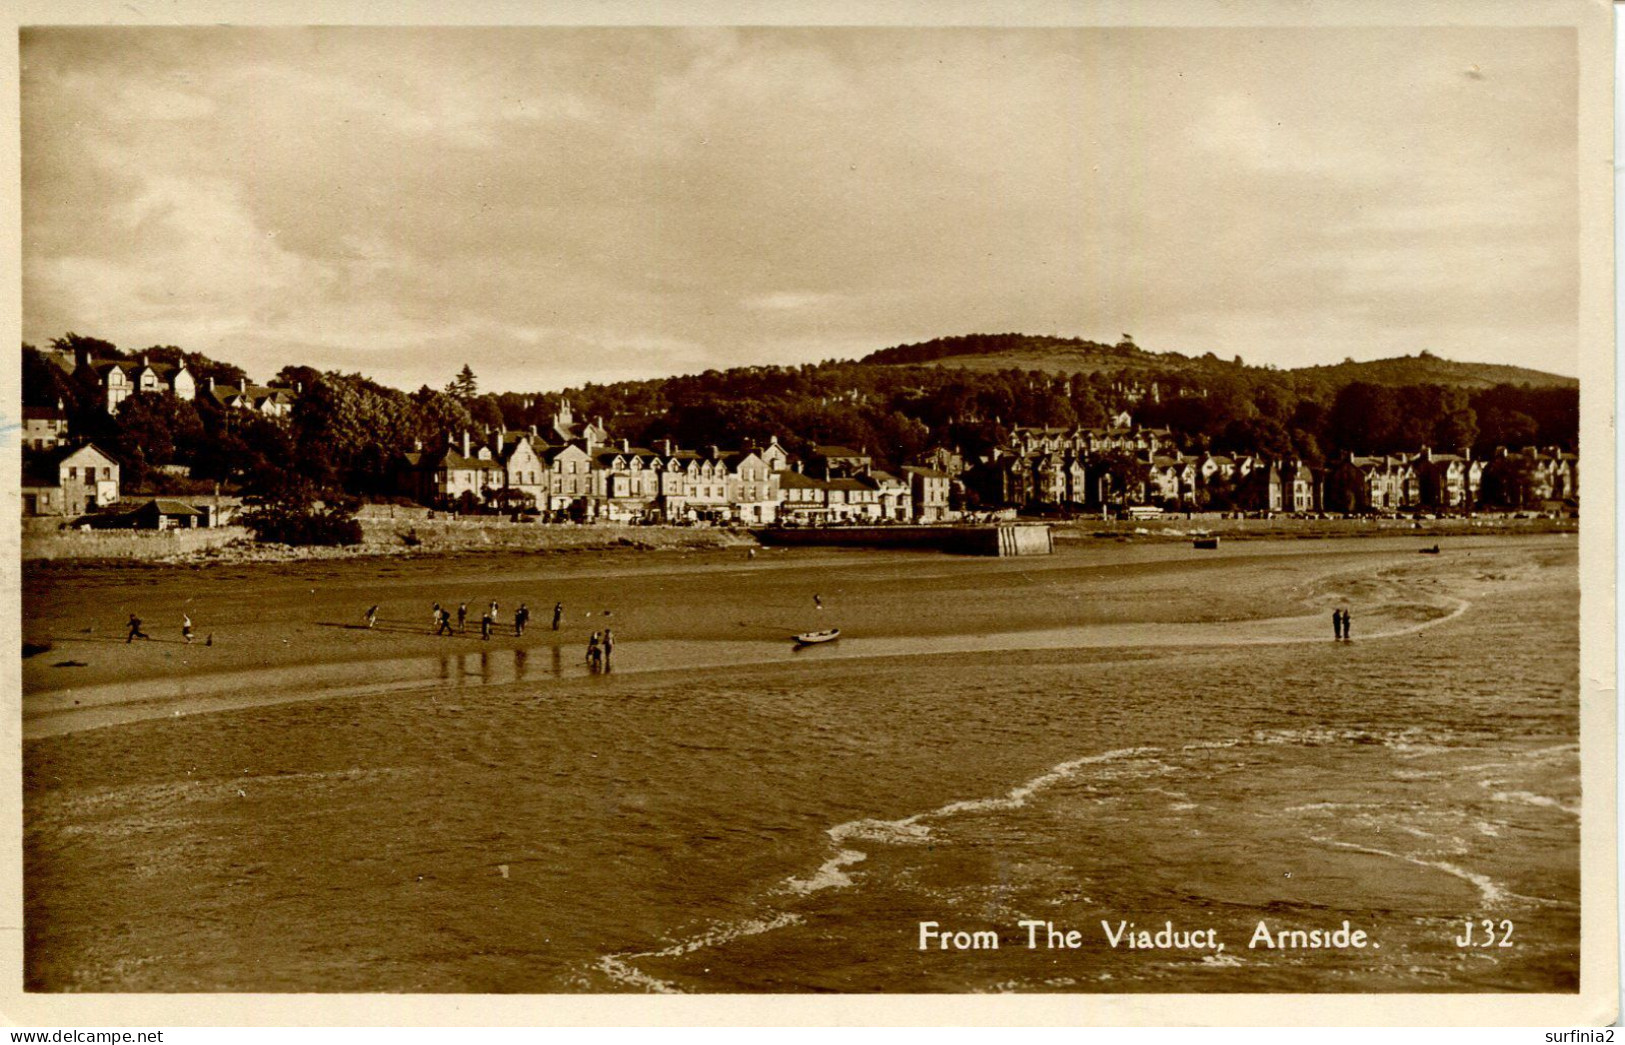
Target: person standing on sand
pixel 186 628
pixel 372 615
pixel 135 630
pixel 485 626
pixel 558 614
pixel 521 617
pixel 495 616
pixel 594 654
pixel 462 616
pixel 435 613
pixel 1347 637
pixel 1337 624
pixel 609 645
pixel 818 602
pixel 445 623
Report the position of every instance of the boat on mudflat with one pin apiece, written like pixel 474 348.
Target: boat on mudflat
pixel 808 638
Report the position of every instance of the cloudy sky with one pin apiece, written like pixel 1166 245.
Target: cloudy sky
pixel 559 205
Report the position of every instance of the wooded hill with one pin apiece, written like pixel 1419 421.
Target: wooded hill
pixel 1058 355
pixel 346 430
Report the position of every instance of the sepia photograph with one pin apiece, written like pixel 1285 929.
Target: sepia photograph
pixel 795 504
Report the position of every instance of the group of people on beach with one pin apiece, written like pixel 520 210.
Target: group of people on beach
pixel 440 621
pixel 599 648
pixel 1340 623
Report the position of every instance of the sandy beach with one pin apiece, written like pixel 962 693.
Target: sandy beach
pixel 280 617
pixel 722 813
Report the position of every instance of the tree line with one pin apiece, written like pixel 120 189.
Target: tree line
pixel 347 431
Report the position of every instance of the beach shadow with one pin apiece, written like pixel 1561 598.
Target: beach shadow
pixel 395 627
pixel 119 640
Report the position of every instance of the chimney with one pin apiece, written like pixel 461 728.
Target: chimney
pixel 299 387
pixel 210 379
pixel 143 359
pixel 714 452
pixel 665 447
pixel 626 445
pixel 533 430
pixel 798 468
pixel 598 422
pixel 417 445
pixel 465 442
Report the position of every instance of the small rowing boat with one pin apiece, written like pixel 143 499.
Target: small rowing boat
pixel 808 638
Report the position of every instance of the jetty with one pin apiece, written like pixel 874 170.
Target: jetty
pixel 1001 539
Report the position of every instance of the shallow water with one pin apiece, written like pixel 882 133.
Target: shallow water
pixel 751 819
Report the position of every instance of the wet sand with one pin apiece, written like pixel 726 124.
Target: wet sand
pixel 274 632
pixel 1144 732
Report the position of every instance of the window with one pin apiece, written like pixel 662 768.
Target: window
pixel 73 473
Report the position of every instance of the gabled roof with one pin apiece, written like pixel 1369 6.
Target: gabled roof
pixel 44 469
pixel 836 451
pixel 927 473
pixel 169 506
pixel 434 460
pixel 552 453
pixel 43 413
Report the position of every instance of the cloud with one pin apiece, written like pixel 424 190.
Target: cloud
pixel 559 205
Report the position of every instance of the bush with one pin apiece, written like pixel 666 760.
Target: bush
pixel 291 516
pixel 302 527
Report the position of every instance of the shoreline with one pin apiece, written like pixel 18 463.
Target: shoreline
pixel 449 539
pixel 702 612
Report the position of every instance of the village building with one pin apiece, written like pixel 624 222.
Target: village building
pixel 1367 484
pixel 569 480
pixel 774 456
pixel 156 513
pixel 753 488
pixel 44 427
pixel 1448 481
pixel 524 474
pixel 455 475
pixel 852 500
pixel 69 482
pixel 803 500
pixel 1173 480
pixel 119 379
pixel 950 462
pixel 892 494
pixel 564 428
pixel 1263 489
pixel 929 492
pixel 267 400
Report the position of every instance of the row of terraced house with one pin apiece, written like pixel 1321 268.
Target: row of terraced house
pixel 573 470
pixel 1097 468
